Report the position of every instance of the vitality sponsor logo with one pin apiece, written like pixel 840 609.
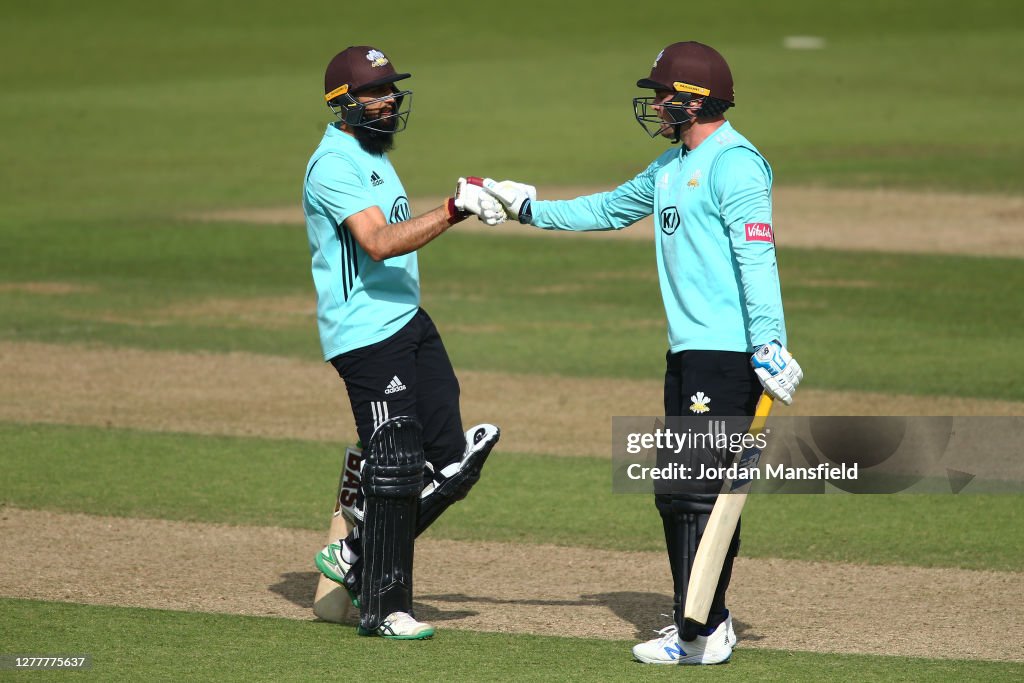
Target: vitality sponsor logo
pixel 700 403
pixel 394 386
pixel 376 180
pixel 759 232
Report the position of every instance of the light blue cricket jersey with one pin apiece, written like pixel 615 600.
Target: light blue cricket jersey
pixel 359 301
pixel 712 211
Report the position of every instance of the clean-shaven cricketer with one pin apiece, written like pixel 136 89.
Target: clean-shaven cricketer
pixel 712 204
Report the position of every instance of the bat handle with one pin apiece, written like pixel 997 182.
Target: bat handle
pixel 764 406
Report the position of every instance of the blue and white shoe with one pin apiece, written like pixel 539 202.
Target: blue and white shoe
pixel 714 648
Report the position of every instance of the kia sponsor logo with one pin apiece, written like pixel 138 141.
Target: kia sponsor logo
pixel 670 220
pixel 400 210
pixel 759 232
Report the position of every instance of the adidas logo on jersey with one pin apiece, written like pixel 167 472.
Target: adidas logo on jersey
pixel 395 386
pixel 375 179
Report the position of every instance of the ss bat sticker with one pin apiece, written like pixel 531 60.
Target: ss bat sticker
pixel 351 480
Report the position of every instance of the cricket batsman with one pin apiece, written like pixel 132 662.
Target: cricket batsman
pixel 417 460
pixel 711 198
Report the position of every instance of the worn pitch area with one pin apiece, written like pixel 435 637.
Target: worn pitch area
pixel 783 604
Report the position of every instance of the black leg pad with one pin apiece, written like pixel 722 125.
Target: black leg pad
pixel 392 479
pixel 684 518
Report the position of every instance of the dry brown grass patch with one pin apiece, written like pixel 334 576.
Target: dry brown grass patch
pixel 253 395
pixel 811 217
pixel 226 313
pixel 47 288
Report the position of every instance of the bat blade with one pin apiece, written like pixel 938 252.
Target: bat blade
pixel 714 544
pixel 331 601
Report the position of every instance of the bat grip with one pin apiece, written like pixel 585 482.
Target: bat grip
pixel 764 407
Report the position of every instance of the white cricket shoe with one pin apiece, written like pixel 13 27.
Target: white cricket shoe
pixel 401 626
pixel 668 649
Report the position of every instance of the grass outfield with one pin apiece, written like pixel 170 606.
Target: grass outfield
pixel 498 312
pixel 110 111
pixel 523 498
pixel 164 645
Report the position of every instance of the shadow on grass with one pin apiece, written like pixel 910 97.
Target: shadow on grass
pixel 650 611
pixel 298 588
pixel 646 612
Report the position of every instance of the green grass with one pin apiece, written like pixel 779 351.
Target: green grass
pixel 109 111
pixel 493 299
pixel 134 644
pixel 522 499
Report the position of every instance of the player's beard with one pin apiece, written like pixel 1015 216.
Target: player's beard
pixel 376 142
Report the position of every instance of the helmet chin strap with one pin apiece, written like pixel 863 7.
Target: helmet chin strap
pixel 679 127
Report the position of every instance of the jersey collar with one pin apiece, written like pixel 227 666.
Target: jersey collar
pixel 718 131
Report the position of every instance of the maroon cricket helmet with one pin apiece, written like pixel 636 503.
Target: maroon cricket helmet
pixel 691 67
pixel 357 68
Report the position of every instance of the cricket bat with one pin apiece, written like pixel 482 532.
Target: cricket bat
pixel 331 601
pixel 714 544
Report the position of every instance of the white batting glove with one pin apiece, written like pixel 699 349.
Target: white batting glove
pixel 778 371
pixel 470 197
pixel 515 197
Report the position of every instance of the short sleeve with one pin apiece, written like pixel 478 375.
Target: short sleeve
pixel 335 184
